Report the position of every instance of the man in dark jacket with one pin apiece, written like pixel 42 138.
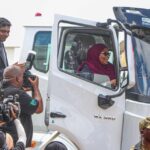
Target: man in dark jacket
pixel 4 33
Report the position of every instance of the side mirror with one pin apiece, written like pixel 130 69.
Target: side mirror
pixel 105 101
pixel 123 77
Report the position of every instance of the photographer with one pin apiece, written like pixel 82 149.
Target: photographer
pixel 6 141
pixel 13 81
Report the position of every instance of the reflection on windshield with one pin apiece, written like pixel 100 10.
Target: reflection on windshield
pixel 142 66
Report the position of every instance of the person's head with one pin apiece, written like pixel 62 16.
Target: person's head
pixel 144 127
pixel 5 25
pixel 13 75
pixel 98 53
pixel 55 145
pixel 82 42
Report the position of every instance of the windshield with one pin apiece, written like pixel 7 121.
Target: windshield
pixel 137 20
pixel 142 65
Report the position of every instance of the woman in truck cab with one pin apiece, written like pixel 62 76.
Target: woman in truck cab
pixel 97 63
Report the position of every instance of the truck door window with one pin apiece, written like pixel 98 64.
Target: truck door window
pixel 75 53
pixel 42 47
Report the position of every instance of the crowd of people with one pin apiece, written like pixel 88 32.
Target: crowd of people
pixel 12 84
pixel 16 134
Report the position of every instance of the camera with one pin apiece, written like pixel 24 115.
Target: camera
pixel 26 76
pixel 27 73
pixel 5 108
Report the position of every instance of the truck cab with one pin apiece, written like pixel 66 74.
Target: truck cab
pixel 91 114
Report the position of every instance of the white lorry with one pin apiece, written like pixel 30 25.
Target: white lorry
pixel 91 115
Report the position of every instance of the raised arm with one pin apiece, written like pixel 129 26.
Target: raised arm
pixel 36 94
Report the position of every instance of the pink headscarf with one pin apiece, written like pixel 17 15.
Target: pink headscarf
pixel 94 64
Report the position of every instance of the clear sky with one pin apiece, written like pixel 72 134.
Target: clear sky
pixel 21 12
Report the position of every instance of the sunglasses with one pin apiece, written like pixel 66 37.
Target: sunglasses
pixel 106 53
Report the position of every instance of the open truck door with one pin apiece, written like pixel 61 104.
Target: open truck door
pixel 137 20
pixel 88 112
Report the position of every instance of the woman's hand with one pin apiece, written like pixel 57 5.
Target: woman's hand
pixel 113 83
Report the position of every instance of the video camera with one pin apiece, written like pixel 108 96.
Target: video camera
pixel 27 73
pixel 6 105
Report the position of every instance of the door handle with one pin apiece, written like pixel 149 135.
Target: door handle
pixel 57 115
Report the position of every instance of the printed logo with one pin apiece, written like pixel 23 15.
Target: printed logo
pixel 33 102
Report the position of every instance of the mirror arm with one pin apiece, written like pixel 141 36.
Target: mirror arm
pixel 109 21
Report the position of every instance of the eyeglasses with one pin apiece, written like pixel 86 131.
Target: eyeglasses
pixel 106 53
